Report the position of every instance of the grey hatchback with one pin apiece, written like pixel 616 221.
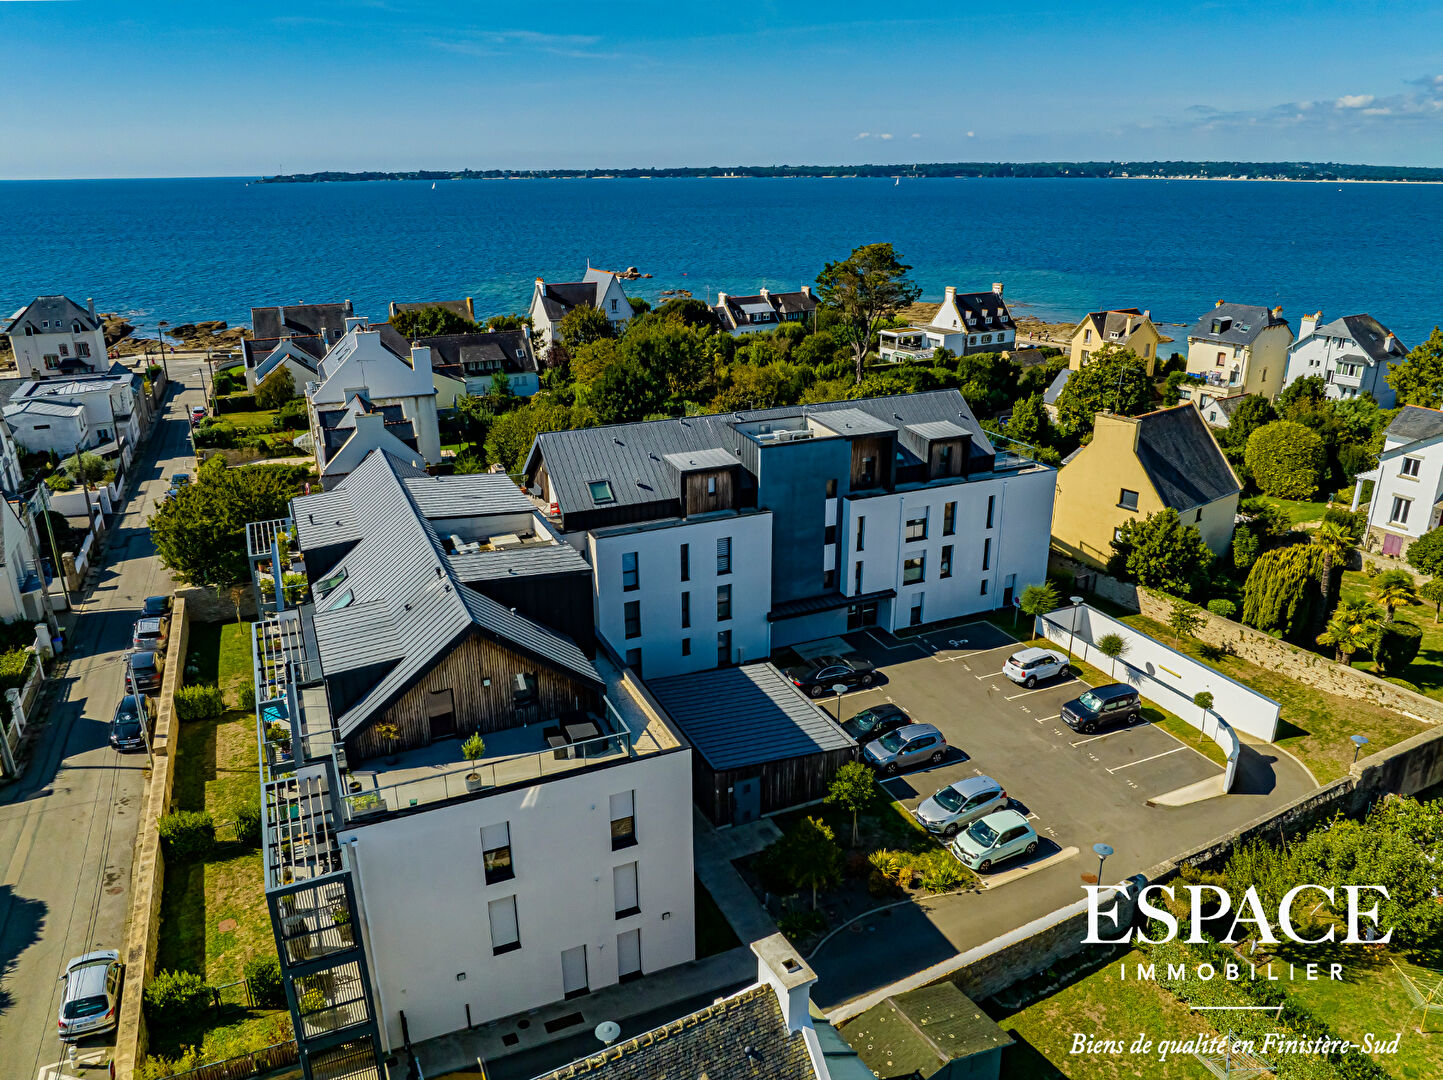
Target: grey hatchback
pixel 905 747
pixel 92 991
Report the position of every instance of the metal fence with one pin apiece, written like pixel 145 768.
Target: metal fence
pixel 256 1063
pixel 234 993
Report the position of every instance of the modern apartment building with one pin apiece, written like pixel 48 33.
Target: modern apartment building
pixel 413 892
pixel 715 539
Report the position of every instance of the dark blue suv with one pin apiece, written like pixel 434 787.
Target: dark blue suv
pixel 1110 706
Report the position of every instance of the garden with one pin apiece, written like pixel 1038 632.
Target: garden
pixel 264 423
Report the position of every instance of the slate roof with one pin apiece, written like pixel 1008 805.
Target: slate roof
pixel 710 1044
pixel 922 1030
pixel 979 305
pixel 9 386
pixel 1370 335
pixel 339 424
pixel 407 606
pixel 633 456
pixel 43 408
pixel 1414 423
pixel 1243 322
pixel 59 312
pixel 785 303
pixel 747 715
pixel 1182 458
pixel 1055 388
pixel 474 354
pixel 1107 323
pixel 301 320
pixel 264 355
pixel 559 298
pixel 1229 405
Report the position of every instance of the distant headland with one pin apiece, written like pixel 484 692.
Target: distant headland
pixel 1101 170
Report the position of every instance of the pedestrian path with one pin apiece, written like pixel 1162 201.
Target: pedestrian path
pixel 713 852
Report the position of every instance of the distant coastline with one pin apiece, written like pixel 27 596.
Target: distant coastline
pixel 1323 172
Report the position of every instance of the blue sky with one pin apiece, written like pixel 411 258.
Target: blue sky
pixel 94 88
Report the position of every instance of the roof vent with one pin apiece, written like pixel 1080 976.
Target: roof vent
pixel 896 416
pixel 617 441
pixel 751 1053
pixel 790 963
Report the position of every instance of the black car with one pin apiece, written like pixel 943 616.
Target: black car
pixel 147 674
pixel 125 733
pixel 156 607
pixel 818 677
pixel 875 722
pixel 1113 705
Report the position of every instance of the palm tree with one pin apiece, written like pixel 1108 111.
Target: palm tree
pixel 1336 543
pixel 1394 589
pixel 1355 625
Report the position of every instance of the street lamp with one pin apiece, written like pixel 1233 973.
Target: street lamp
pixel 1359 741
pixel 839 689
pixel 1076 603
pixel 1102 851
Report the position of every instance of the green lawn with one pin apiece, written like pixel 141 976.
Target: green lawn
pixel 258 419
pixel 1425 673
pixel 215 770
pixel 1298 512
pixel 1100 1006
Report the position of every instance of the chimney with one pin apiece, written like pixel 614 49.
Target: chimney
pixel 421 359
pixel 721 299
pixel 1390 343
pixel 997 287
pixel 764 294
pixel 90 306
pixel 1278 312
pixel 781 967
pixel 806 290
pixel 1220 303
pixel 470 310
pixel 1147 314
pixel 355 322
pixel 951 292
pixel 1308 323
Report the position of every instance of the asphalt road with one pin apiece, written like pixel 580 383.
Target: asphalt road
pixel 67 828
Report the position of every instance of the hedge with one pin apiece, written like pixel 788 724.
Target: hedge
pixel 225 403
pixel 177 997
pixel 1398 645
pixel 199 703
pixel 15 668
pixel 263 975
pixel 186 834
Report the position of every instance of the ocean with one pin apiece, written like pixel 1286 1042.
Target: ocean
pixel 191 249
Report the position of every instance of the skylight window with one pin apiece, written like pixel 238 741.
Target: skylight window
pixel 601 491
pixel 344 600
pixel 326 584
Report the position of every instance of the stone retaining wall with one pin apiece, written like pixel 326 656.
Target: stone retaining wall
pixel 206 606
pixel 148 872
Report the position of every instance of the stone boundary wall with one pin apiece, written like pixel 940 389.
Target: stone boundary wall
pixel 148 872
pixel 206 607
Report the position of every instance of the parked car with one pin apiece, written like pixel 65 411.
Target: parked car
pixel 156 607
pixel 89 1000
pixel 875 722
pixel 146 669
pixel 818 677
pixel 1031 666
pixel 956 805
pixel 197 413
pixel 1109 706
pixel 993 839
pixel 125 733
pixel 181 479
pixel 905 747
pixel 149 633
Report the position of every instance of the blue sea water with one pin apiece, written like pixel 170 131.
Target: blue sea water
pixel 194 249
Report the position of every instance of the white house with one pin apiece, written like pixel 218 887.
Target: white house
pixel 54 335
pixel 22 577
pixel 10 475
pixel 345 435
pixel 1408 482
pixel 716 539
pixel 362 363
pixel 295 337
pixel 472 361
pixel 1352 355
pixel 965 323
pixel 112 418
pixel 50 427
pixel 764 311
pixel 600 289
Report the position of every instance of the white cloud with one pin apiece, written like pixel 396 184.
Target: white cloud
pixel 972 134
pixel 916 134
pixel 885 135
pixel 1354 101
pixel 864 134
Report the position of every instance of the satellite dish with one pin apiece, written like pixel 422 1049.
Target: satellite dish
pixel 608 1031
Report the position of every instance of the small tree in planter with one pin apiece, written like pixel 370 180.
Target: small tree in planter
pixel 1112 646
pixel 473 748
pixel 1204 701
pixel 389 733
pixel 854 789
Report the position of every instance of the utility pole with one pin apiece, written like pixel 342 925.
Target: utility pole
pixel 44 494
pixel 160 333
pixel 142 706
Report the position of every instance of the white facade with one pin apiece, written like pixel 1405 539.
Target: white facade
pixel 954 328
pixel 111 414
pixel 1001 529
pixel 1408 484
pixel 1347 366
pixel 678 619
pixel 610 298
pixel 361 363
pixel 22 589
pixel 10 476
pixel 43 427
pixel 55 331
pixel 440 938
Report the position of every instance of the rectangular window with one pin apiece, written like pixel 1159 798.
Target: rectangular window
pixel 724 648
pixel 1087 337
pixel 633 660
pixel 1401 507
pixel 949 519
pixel 830 536
pixel 914 617
pixel 623 888
pixel 869 471
pixel 829 579
pixel 630 578
pixel 945 567
pixel 857 578
pixel 686 562
pixel 917 529
pixel 1411 465
pixel 686 646
pixel 724 555
pixel 711 485
pixel 505 934
pixel 633 618
pixel 944 460
pixel 496 853
pixel 685 610
pixel 984 587
pixel 987 554
pixel 1127 500
pixel 601 491
pixel 991 503
pixel 82 349
pixel 723 603
pixel 831 489
pixel 623 820
pixel 861 534
pixel 914 570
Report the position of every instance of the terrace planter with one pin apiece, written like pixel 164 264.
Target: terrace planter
pixel 473 782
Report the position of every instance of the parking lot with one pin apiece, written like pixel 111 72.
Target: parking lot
pixel 1076 789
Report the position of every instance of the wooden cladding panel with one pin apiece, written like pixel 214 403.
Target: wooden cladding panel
pixel 940 465
pixel 880 449
pixel 784 784
pixel 696 500
pixel 477 707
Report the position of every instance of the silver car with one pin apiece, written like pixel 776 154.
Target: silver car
pixel 905 747
pixel 1028 667
pixel 958 804
pixel 993 839
pixel 89 1003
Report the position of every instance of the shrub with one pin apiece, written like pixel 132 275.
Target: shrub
pixel 248 823
pixel 15 667
pixel 801 924
pixel 187 834
pixel 1398 646
pixel 292 415
pixel 174 998
pixel 245 697
pixel 60 482
pixel 199 702
pixel 276 389
pixel 263 975
pixel 215 435
pixel 1351 521
pixel 1286 459
pixel 1223 608
pixel 235 403
pixel 939 871
pixel 1426 553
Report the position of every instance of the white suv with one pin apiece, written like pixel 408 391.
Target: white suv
pixel 1031 666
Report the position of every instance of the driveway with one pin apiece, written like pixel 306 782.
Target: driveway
pixel 1076 789
pixel 67 827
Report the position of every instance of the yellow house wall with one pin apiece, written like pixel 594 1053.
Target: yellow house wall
pixel 1086 513
pixel 1263 362
pixel 1143 335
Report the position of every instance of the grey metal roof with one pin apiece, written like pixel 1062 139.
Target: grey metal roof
pixel 324 519
pixel 467 495
pixel 529 560
pixel 1055 388
pixel 938 429
pixel 1414 422
pixel 1240 324
pixel 407 607
pixel 703 459
pixel 633 457
pixel 52 314
pixel 855 422
pixel 9 386
pixel 43 408
pixel 1182 458
pixel 740 716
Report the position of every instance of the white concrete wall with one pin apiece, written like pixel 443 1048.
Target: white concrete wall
pixel 42 433
pixel 658 551
pixel 1423 489
pixel 30 352
pixel 1161 674
pixel 424 896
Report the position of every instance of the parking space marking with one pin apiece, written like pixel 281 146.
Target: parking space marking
pixel 1109 734
pixel 1140 761
pixel 993 675
pixel 1039 690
